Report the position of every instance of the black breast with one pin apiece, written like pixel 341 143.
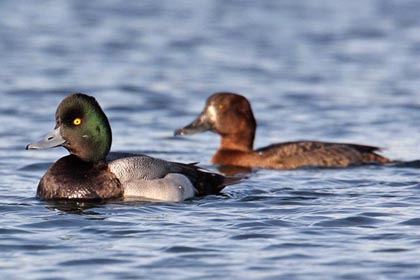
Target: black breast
pixel 72 178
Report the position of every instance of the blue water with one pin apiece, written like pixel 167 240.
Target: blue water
pixel 332 70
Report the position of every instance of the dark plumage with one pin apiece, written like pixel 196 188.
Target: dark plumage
pixel 72 178
pixel 230 115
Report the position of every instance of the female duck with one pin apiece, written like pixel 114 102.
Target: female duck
pixel 87 174
pixel 230 115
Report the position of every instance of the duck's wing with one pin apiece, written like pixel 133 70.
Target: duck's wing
pixel 129 167
pixel 316 153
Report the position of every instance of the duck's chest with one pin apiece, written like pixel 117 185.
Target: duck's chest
pixel 71 178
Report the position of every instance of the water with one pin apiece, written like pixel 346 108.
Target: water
pixel 342 71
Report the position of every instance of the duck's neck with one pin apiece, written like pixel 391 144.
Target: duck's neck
pixel 239 142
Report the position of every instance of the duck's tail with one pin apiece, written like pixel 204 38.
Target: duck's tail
pixel 212 183
pixel 370 154
pixel 207 182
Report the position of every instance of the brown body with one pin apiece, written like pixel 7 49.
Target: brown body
pixel 299 154
pixel 230 115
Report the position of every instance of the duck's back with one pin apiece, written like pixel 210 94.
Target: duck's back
pixel 72 178
pixel 314 153
pixel 128 166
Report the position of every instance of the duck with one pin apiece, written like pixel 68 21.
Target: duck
pixel 92 173
pixel 230 115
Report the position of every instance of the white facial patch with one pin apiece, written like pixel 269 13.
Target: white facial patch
pixel 211 113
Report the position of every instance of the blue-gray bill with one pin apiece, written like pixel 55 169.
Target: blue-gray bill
pixel 51 140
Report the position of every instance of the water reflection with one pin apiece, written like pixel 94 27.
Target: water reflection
pixel 74 207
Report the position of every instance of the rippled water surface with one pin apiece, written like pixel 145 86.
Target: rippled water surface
pixel 342 71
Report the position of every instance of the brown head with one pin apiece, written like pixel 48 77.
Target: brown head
pixel 230 115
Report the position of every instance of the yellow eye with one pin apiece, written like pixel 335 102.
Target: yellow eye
pixel 221 106
pixel 77 121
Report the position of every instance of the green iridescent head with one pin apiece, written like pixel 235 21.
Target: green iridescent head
pixel 81 127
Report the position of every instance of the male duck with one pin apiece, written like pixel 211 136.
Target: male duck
pixel 230 115
pixel 88 174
